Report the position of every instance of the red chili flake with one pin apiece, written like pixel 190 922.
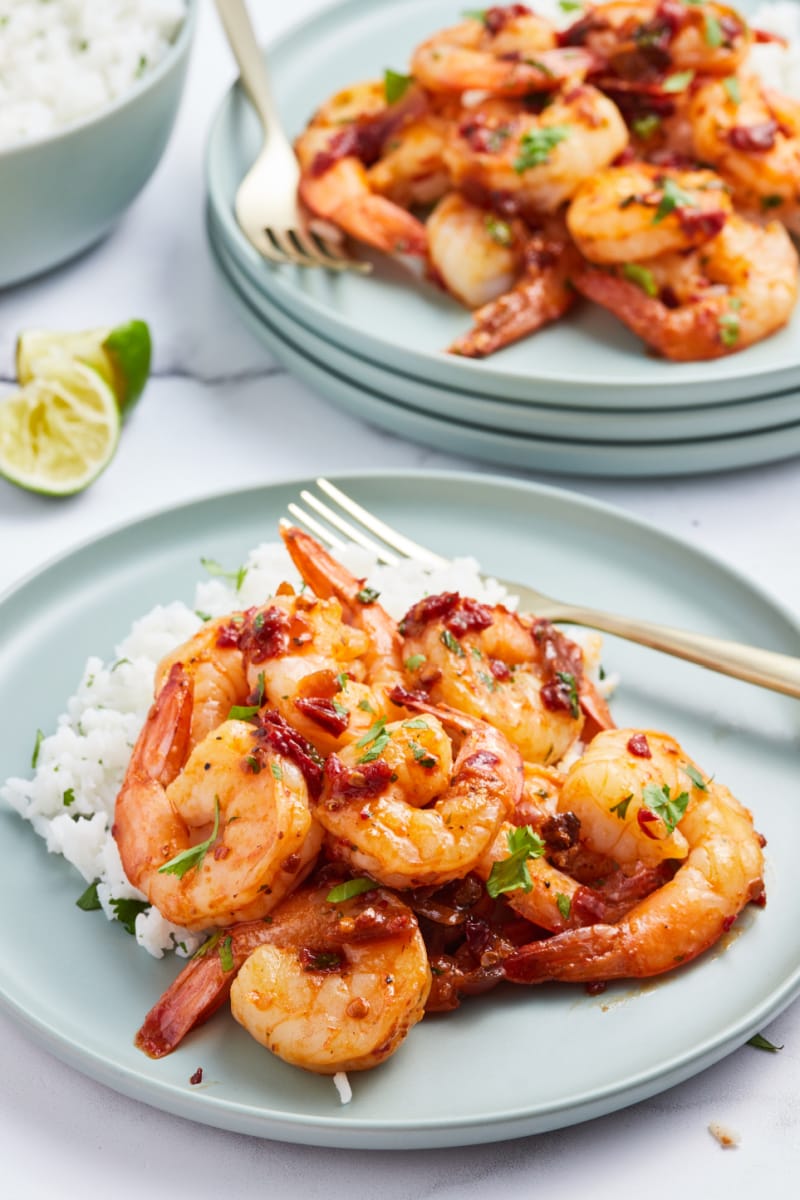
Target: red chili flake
pixel 728 922
pixel 499 670
pixel 403 698
pixel 639 746
pixel 763 35
pixel 265 634
pixel 278 734
pixel 221 851
pixel 481 761
pixel 431 608
pixel 498 16
pixel 578 32
pixel 364 139
pixel 645 818
pixel 197 1077
pixel 229 634
pixel 356 783
pixel 323 713
pixel 753 138
pixel 469 616
pixel 706 224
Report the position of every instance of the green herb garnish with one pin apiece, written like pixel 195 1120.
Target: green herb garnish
pixel 672 197
pixel 642 276
pixel 621 809
pixel 126 911
pixel 367 595
pixel 194 856
pixel 415 661
pixel 569 682
pixel 645 127
pixel 678 82
pixel 728 328
pixel 713 31
pixel 761 1043
pixel 732 87
pixel 236 577
pixel 376 738
pixel 669 809
pixel 511 873
pixel 395 85
pixel 68 797
pixel 499 231
pixel 226 954
pixel 564 905
pixel 452 644
pixel 768 202
pixel 696 777
pixel 350 888
pixel 88 900
pixel 36 747
pixel 536 144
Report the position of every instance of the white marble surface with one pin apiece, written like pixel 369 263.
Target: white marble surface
pixel 65 1136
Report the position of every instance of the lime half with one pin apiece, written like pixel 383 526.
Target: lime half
pixel 58 433
pixel 120 355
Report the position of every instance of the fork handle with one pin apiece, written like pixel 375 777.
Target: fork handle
pixel 255 80
pixel 767 668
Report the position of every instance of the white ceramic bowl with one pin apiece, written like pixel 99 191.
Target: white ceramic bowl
pixel 62 192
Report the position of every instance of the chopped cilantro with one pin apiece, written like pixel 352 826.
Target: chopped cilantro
pixel 341 679
pixel 276 769
pixel 621 809
pixel 713 31
pixel 728 329
pixel 36 747
pixel 376 738
pixel 772 201
pixel 395 85
pixel 243 712
pixel 203 950
pixel 696 777
pixel 415 661
pixel 194 856
pixel 204 616
pixel 672 197
pixel 367 595
pixel 226 954
pixel 669 809
pixel 678 82
pixel 569 682
pixel 499 231
pixel 536 144
pixel 511 873
pixel 68 797
pixel 88 900
pixel 733 88
pixel 366 707
pixel 350 888
pixel 126 911
pixel 421 755
pixel 564 905
pixel 761 1043
pixel 642 276
pixel 236 577
pixel 452 644
pixel 645 127
pixel 568 6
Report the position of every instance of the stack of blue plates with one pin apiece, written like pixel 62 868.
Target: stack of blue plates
pixel 582 396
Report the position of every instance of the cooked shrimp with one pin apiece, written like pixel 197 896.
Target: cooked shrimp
pixel 222 834
pixel 505 51
pixel 338 997
pixel 517 161
pixel 488 662
pixel 344 137
pixel 303 919
pixel 751 135
pixel 641 38
pixel 543 293
pixel 214 663
pixel 618 788
pixel 626 214
pixel 720 874
pixel 371 814
pixel 411 169
pixel 474 253
pixel 737 289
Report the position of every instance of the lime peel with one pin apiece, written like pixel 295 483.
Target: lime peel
pixel 120 355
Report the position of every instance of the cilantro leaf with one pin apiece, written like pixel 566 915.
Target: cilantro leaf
pixel 126 911
pixel 88 901
pixel 564 905
pixel 642 276
pixel 36 747
pixel 672 197
pixel 236 577
pixel 678 82
pixel 511 873
pixel 226 954
pixel 761 1043
pixel 696 777
pixel 452 644
pixel 350 888
pixel 395 85
pixel 535 146
pixel 194 856
pixel 415 661
pixel 669 809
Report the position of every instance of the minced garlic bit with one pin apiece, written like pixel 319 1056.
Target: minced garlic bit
pixel 726 1137
pixel 342 1084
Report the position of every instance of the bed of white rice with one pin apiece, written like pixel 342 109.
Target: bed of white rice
pixel 70 797
pixel 63 60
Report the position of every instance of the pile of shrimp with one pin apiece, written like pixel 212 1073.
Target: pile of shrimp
pixel 633 159
pixel 373 820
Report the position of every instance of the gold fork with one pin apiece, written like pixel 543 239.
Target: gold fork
pixel 780 672
pixel 266 201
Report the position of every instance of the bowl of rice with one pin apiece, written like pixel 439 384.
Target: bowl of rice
pixel 88 96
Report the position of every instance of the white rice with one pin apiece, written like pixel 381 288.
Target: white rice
pixel 64 60
pixel 79 768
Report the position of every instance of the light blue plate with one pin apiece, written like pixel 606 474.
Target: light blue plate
pixel 292 345
pixel 517 1061
pixel 759 414
pixel 588 360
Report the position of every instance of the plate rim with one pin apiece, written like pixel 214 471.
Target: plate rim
pixel 381 1132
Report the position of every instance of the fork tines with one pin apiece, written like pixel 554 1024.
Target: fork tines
pixel 391 540
pixel 308 249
